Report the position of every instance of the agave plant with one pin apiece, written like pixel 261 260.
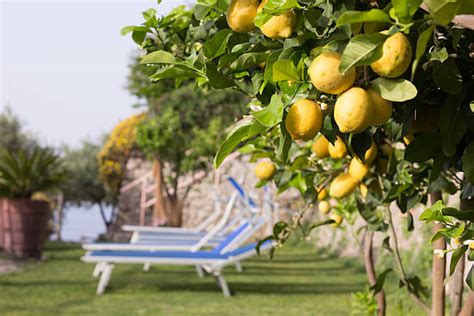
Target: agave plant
pixel 25 172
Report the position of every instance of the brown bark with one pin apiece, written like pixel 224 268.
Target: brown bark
pixel 59 210
pixel 370 270
pixel 458 277
pixel 175 211
pixel 438 273
pixel 468 308
pixel 159 209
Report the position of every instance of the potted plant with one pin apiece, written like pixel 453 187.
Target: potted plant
pixel 24 219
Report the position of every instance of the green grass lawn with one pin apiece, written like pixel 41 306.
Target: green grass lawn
pixel 295 282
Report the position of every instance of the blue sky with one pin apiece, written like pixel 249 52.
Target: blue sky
pixel 64 64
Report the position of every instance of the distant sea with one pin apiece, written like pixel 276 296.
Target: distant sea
pixel 82 224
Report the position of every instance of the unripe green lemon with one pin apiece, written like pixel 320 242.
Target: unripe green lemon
pixel 304 119
pixel 240 15
pixel 353 110
pixel 325 75
pixel 396 57
pixel 265 170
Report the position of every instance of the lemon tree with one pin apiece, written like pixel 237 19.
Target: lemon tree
pixel 359 105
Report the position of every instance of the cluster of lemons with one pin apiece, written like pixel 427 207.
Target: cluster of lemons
pixel 355 108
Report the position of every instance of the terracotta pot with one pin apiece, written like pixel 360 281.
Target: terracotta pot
pixel 25 226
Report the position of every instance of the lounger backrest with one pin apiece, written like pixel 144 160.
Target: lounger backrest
pixel 240 235
pixel 242 192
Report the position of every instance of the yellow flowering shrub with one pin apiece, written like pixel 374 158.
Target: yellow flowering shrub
pixel 116 151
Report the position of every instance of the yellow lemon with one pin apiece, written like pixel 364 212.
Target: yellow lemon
pixel 395 58
pixel 325 75
pixel 363 190
pixel 337 220
pixel 353 110
pixel 338 150
pixel 265 170
pixel 320 147
pixel 322 194
pixel 240 15
pixel 304 119
pixel 324 207
pixel 343 185
pixel 280 26
pixel 357 169
pixel 382 108
pixel 471 245
pixel 370 154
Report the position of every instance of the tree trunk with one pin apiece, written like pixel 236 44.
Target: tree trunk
pixel 175 211
pixel 59 214
pixel 458 277
pixel 370 270
pixel 468 308
pixel 159 209
pixel 438 273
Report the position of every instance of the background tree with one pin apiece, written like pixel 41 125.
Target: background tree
pixel 13 136
pixel 83 186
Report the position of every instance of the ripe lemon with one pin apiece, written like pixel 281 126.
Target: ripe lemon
pixel 370 154
pixel 240 15
pixel 395 58
pixel 265 170
pixel 357 169
pixel 343 185
pixel 353 111
pixel 338 150
pixel 325 75
pixel 363 190
pixel 324 207
pixel 320 147
pixel 280 26
pixel 322 194
pixel 337 220
pixel 304 119
pixel 382 108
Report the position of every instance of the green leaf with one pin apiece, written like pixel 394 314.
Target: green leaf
pixel 284 144
pixel 130 28
pixel 374 15
pixel 421 45
pixel 403 10
pixel 443 12
pixel 447 76
pixel 362 50
pixel 158 57
pixel 243 130
pixel 217 44
pixel 422 148
pixel 433 213
pixel 216 79
pixel 396 90
pixel 452 124
pixel 272 114
pixel 285 70
pixel 247 60
pixel 440 55
pixel 468 162
pixel 457 255
pixel 378 286
pixel 470 278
